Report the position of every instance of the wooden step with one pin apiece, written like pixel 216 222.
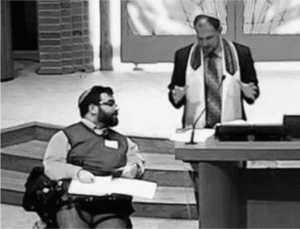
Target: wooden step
pixel 160 168
pixel 169 202
pixel 44 131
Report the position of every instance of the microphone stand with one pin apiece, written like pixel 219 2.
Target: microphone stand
pixel 192 141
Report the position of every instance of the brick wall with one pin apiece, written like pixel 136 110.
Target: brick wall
pixel 63 35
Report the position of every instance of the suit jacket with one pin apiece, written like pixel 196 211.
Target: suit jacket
pixel 246 64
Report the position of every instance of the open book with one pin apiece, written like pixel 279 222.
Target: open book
pixel 106 185
pixel 184 135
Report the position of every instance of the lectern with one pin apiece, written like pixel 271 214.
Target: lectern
pixel 226 188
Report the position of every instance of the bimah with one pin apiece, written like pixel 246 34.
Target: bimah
pixel 232 196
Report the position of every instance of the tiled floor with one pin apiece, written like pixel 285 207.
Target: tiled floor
pixel 141 96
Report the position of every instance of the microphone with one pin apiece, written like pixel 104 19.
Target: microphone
pixel 192 141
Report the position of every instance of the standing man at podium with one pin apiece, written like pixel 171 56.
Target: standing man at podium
pixel 212 77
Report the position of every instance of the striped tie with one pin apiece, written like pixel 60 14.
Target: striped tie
pixel 213 98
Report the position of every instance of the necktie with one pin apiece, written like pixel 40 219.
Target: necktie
pixel 213 97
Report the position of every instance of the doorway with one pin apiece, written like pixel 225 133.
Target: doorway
pixel 24 26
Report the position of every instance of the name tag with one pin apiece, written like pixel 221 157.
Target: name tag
pixel 111 144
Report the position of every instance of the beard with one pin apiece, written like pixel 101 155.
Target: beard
pixel 113 121
pixel 110 120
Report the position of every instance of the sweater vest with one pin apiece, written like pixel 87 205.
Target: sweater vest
pixel 92 152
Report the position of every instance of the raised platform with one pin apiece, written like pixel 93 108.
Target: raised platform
pixel 23 148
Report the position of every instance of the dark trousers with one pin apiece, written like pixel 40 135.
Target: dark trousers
pixel 74 216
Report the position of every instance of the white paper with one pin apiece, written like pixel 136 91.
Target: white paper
pixel 108 185
pixel 201 135
pixel 238 122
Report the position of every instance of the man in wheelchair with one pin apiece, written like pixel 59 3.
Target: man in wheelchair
pixel 87 149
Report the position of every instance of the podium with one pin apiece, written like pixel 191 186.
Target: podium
pixel 227 191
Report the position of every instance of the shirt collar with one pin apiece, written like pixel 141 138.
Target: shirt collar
pixel 92 126
pixel 217 51
pixel 88 123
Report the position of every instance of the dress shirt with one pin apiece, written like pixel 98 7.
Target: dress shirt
pixel 55 159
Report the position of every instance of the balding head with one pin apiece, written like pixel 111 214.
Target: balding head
pixel 202 19
pixel 208 32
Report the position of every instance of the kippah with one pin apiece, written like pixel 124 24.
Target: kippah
pixel 199 12
pixel 84 95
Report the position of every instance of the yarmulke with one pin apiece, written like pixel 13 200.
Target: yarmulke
pixel 198 12
pixel 84 95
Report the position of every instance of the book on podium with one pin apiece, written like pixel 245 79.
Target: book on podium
pixel 200 135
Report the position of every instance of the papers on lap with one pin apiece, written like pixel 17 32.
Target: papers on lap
pixel 108 185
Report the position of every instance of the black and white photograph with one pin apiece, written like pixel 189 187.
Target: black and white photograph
pixel 150 114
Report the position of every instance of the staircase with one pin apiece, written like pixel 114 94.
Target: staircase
pixel 23 148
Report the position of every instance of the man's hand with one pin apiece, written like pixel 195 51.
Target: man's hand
pixel 85 176
pixel 178 93
pixel 250 91
pixel 130 171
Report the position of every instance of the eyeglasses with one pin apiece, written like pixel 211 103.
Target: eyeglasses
pixel 109 103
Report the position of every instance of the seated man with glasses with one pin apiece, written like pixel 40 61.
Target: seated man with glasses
pixel 91 148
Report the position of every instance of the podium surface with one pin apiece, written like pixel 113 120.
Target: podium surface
pixel 231 196
pixel 215 150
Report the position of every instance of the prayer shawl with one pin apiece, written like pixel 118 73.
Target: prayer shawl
pixel 230 88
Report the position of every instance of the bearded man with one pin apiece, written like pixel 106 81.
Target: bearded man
pixel 91 148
